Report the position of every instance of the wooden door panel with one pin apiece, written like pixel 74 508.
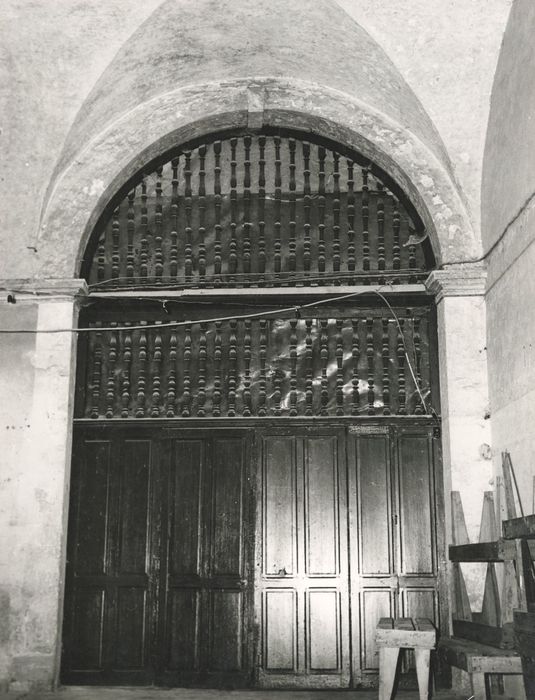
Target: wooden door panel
pixel 134 504
pixel 279 506
pixel 187 475
pixel 279 627
pixel 373 496
pixel 374 604
pixel 324 634
pixel 91 495
pixel 226 631
pixel 303 582
pixel 182 649
pixel 227 509
pixel 130 635
pixel 416 505
pixel 85 641
pixel 322 535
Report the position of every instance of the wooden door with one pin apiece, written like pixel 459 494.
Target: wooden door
pixel 394 509
pixel 159 559
pixel 302 579
pixel 112 576
pixel 207 585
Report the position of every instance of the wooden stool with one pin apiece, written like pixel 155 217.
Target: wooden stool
pixel 404 633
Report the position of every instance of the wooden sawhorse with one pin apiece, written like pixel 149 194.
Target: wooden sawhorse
pixel 404 633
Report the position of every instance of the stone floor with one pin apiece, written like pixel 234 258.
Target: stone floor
pixel 85 693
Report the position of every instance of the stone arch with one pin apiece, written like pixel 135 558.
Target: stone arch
pixel 192 69
pixel 82 190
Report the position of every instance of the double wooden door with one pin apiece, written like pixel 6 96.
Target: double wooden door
pixel 159 570
pixel 249 556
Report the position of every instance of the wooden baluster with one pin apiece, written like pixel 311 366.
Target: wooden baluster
pixel 247 410
pixel 201 372
pixel 233 248
pixel 412 261
pixel 130 229
pixel 188 206
pixel 355 356
pixel 396 223
pixel 173 253
pixel 202 215
pixel 400 351
pixel 292 243
pixel 126 373
pixel 217 207
pixel 321 210
pixel 277 248
pixel 110 383
pixel 186 380
pixel 172 379
pixel 218 356
pixel 385 356
pixel 262 205
pixel 115 235
pixel 309 390
pixel 158 226
pixel 144 224
pixel 380 229
pixel 307 246
pixel 157 357
pixel 339 368
pixel 101 257
pixel 351 257
pixel 371 366
pixel 336 214
pixel 419 409
pixel 96 374
pixel 277 374
pixel 142 373
pixel 246 229
pixel 365 220
pixel 262 392
pixel 232 372
pixel 293 367
pixel 324 357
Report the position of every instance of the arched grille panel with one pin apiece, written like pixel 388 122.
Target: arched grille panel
pixel 259 210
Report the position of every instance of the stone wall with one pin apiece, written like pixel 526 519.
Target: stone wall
pixel 508 210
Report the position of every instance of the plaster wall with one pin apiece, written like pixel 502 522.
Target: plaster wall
pixel 508 207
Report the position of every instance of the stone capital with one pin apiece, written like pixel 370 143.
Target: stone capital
pixel 59 289
pixel 466 280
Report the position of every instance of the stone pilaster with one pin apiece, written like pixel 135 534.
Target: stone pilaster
pixel 459 292
pixel 37 379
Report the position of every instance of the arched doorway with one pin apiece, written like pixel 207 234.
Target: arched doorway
pixel 256 473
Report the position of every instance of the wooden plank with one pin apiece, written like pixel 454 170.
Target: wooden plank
pixel 459 531
pixel 385 623
pixel 519 527
pixel 423 624
pixel 488 531
pixel 482 552
pixel 508 486
pixel 501 637
pixel 524 630
pixel 478 658
pixel 403 623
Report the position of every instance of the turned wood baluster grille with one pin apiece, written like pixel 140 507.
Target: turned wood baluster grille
pixel 258 210
pixel 323 365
